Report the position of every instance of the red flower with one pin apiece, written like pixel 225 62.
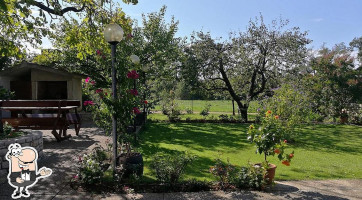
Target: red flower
pixel 286 163
pixel 93 82
pixel 99 91
pixel 145 102
pixel 136 111
pixel 86 103
pixel 133 74
pixel 99 52
pixel 291 155
pixel 276 116
pixel 269 112
pixel 133 92
pixel 277 151
pixel 87 79
pixel 285 141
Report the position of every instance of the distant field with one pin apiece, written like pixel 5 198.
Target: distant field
pixel 224 106
pixel 195 116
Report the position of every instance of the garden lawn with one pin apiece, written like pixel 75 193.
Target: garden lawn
pixel 321 151
pixel 224 106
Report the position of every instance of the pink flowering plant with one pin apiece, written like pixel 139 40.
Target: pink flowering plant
pixel 100 102
pixel 269 138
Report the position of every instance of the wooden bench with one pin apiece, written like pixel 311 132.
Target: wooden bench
pixel 57 116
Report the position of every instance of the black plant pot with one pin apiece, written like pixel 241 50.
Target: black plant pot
pixel 139 119
pixel 133 164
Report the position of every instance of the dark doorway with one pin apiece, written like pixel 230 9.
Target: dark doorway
pixel 48 90
pixel 22 89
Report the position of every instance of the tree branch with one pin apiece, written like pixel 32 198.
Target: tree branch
pixel 56 12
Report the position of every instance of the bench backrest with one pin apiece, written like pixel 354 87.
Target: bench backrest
pixel 39 103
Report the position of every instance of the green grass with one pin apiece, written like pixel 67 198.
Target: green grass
pixel 195 116
pixel 321 151
pixel 216 105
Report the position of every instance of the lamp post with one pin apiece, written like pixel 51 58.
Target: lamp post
pixel 113 34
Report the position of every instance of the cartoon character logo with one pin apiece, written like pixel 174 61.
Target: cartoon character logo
pixel 23 169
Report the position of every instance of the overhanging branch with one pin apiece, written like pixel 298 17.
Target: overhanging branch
pixel 56 12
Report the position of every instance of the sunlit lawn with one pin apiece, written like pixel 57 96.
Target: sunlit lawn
pixel 321 151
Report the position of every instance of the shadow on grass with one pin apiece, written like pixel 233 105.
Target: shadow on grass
pixel 196 136
pixel 331 138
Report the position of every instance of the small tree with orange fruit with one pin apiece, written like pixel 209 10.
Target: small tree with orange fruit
pixel 269 138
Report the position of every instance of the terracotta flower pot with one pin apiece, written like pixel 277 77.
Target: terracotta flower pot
pixel 270 172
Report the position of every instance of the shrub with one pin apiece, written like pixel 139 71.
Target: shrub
pixel 169 168
pixel 92 166
pixel 251 176
pixel 223 172
pixel 8 129
pixel 224 118
pixel 6 94
pixel 189 111
pixel 206 111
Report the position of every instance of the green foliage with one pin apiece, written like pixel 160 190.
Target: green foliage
pixel 8 129
pixel 223 172
pixel 206 111
pixel 170 107
pixel 251 63
pixel 291 104
pixel 270 138
pixel 6 94
pixel 169 168
pixel 334 85
pixel 189 110
pixel 250 176
pixel 91 166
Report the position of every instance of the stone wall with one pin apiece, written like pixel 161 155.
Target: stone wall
pixel 33 139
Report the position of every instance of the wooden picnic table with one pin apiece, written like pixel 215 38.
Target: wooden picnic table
pixel 56 120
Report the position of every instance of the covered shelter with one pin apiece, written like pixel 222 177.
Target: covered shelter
pixel 32 81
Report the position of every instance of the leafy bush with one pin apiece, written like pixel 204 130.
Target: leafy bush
pixel 169 168
pixel 8 129
pixel 189 111
pixel 206 111
pixel 251 176
pixel 224 118
pixel 289 103
pixel 223 172
pixel 6 94
pixel 92 166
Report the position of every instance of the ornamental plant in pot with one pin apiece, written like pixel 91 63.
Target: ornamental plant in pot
pixel 131 161
pixel 269 140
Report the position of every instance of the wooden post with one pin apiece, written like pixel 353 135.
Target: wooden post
pixel 233 107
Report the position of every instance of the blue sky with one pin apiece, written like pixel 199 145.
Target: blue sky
pixel 328 21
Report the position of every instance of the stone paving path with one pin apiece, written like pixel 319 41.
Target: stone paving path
pixel 61 157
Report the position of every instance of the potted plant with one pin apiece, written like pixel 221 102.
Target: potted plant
pixel 132 162
pixel 269 139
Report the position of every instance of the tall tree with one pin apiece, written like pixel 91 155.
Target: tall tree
pixel 25 22
pixel 251 62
